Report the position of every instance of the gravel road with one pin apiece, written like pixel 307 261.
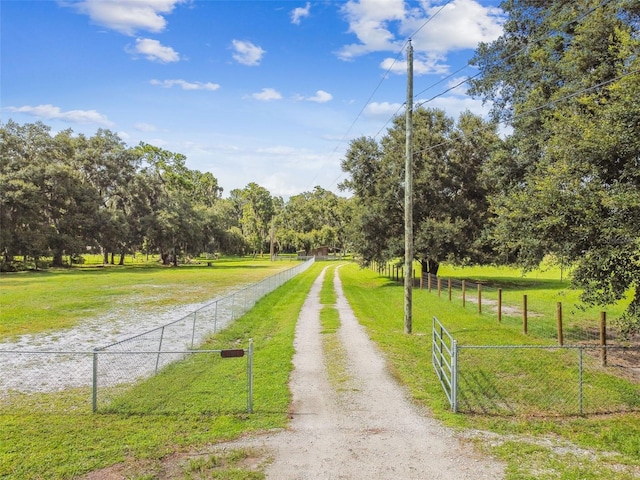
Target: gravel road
pixel 368 429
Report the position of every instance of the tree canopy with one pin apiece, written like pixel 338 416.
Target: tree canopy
pixel 65 195
pixel 566 77
pixel 450 197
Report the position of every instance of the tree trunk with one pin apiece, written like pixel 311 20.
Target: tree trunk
pixel 430 266
pixel 57 259
pixel 105 256
pixel 121 262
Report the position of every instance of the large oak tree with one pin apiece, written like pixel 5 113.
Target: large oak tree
pixel 566 77
pixel 450 204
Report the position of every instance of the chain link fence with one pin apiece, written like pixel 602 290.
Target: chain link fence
pixel 546 381
pixel 46 380
pixel 536 380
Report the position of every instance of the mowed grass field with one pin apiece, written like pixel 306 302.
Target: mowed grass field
pixel 34 302
pixel 66 445
pixel 171 413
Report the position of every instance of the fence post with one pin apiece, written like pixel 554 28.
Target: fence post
pixel 250 377
pixel 454 376
pixel 464 293
pixel 439 286
pixel 233 304
pixel 479 298
pixel 215 318
pixel 193 330
pixel 525 327
pixel 429 282
pixel 559 315
pixel 499 305
pixel 159 348
pixel 94 392
pixel 580 377
pixel 603 338
pixel 449 286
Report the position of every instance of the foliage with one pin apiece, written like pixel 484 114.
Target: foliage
pixel 314 219
pixel 449 201
pixel 66 195
pixel 566 77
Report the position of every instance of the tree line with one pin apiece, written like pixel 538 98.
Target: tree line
pixel 63 195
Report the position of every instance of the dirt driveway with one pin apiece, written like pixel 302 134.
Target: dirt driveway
pixel 368 430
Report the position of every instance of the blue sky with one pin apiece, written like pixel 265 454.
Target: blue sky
pixel 253 91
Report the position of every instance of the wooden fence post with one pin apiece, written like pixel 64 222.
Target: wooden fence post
pixel 449 288
pixel 439 286
pixel 524 314
pixel 499 305
pixel 479 298
pixel 559 315
pixel 429 282
pixel 603 338
pixel 464 293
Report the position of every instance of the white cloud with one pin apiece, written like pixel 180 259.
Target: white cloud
pixel 301 12
pixel 154 51
pixel 128 16
pixel 51 112
pixel 370 21
pixel 384 109
pixel 422 64
pixel 384 25
pixel 267 94
pixel 186 85
pixel 145 127
pixel 247 53
pixel 461 24
pixel 321 97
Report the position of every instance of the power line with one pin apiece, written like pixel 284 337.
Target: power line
pixel 384 77
pixel 540 107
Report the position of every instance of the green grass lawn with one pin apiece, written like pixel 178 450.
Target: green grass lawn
pixel 613 440
pixel 33 302
pixel 199 402
pixel 190 405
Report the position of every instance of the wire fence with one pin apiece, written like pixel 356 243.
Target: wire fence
pixel 536 380
pixel 68 380
pixel 557 322
pixel 546 381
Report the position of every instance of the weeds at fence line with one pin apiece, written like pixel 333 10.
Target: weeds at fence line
pixel 65 381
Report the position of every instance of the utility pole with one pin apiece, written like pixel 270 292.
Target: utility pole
pixel 408 198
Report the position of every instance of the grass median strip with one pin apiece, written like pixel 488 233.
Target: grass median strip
pixel 335 353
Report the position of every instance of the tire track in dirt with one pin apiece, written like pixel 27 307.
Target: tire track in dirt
pixel 369 429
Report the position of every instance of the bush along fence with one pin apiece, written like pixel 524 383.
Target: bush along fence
pixel 532 380
pixel 113 376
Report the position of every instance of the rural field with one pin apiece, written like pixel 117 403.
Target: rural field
pixel 168 426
